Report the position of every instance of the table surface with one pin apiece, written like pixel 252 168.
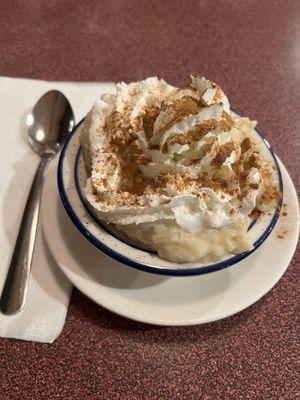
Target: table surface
pixel 250 47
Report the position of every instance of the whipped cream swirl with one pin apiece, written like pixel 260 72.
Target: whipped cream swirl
pixel 161 153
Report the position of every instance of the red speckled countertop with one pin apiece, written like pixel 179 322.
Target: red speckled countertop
pixel 252 48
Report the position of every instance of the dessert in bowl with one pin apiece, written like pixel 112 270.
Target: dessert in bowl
pixel 173 177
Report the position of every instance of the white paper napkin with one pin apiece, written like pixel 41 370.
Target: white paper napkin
pixel 44 314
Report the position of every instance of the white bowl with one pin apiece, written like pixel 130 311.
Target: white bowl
pixel 71 181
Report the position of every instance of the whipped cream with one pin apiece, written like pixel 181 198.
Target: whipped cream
pixel 158 153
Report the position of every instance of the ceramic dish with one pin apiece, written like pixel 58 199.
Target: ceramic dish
pixel 71 181
pixel 163 300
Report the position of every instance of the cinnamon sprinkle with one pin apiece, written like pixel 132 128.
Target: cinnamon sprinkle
pixel 148 120
pixel 246 145
pixel 123 152
pixel 177 111
pixel 224 151
pixel 200 130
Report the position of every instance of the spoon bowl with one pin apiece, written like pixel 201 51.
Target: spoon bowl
pixel 50 123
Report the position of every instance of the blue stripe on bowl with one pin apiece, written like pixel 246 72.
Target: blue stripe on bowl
pixel 177 271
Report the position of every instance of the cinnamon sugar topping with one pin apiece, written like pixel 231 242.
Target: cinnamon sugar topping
pixel 224 151
pixel 149 119
pixel 156 143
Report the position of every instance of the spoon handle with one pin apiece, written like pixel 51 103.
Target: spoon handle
pixel 16 284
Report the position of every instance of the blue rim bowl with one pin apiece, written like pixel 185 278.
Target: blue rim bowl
pixel 110 250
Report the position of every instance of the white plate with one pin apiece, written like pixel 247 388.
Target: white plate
pixel 165 300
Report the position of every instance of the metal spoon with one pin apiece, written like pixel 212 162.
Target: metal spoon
pixel 49 125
